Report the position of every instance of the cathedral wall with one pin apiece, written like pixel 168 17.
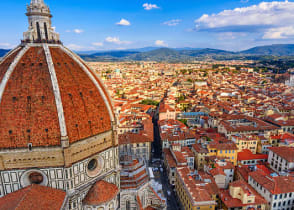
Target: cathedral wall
pixel 88 147
pixel 25 158
pixel 68 179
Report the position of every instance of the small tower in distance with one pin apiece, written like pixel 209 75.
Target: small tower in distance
pixel 40 28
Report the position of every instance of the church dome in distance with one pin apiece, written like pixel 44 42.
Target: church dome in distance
pixel 48 95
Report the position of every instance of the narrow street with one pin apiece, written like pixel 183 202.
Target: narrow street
pixel 163 178
pixel 156 144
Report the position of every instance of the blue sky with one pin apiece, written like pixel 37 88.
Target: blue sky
pixel 126 24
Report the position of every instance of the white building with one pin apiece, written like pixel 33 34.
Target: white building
pixel 281 159
pixel 277 190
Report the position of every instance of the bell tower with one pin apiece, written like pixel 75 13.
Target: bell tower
pixel 40 28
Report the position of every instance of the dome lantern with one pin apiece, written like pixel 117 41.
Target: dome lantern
pixel 40 28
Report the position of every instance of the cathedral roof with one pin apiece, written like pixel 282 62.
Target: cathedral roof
pixel 47 93
pixel 33 197
pixel 101 192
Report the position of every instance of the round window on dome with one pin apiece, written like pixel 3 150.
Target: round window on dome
pixel 36 178
pixel 33 177
pixel 92 165
pixel 95 166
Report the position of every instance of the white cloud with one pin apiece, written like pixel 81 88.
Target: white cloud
pixel 148 6
pixel 120 48
pixel 116 40
pixel 265 17
pixel 75 47
pixel 123 22
pixel 161 43
pixel 279 33
pixel 174 22
pixel 78 31
pixel 97 44
pixel 6 45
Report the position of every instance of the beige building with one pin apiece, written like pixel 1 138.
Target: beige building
pixel 193 194
pixel 241 195
pixel 200 153
pixel 246 142
pixel 165 112
pixel 177 157
pixel 138 145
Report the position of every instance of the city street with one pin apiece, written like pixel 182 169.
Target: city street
pixel 166 187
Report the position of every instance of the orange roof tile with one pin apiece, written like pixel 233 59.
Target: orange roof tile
pixel 101 192
pixel 33 197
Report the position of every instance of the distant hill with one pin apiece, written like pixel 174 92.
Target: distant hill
pixel 205 52
pixel 3 52
pixel 184 54
pixel 276 50
pixel 157 54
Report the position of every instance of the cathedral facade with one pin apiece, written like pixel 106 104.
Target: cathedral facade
pixel 57 125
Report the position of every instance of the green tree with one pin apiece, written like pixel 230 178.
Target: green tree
pixel 184 121
pixel 149 102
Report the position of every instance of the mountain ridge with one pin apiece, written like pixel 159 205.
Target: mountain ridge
pixel 182 54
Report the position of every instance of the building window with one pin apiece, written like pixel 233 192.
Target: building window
pixel 92 165
pixel 30 146
pixel 36 178
pixel 128 205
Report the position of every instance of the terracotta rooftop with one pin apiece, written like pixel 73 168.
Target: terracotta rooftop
pixel 286 153
pixel 28 107
pixel 131 138
pixel 246 154
pixel 101 192
pixel 33 197
pixel 231 202
pixel 198 148
pixel 169 158
pixel 275 185
pixel 222 145
pixel 196 189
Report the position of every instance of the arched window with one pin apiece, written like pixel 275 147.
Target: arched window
pixel 111 206
pixel 128 205
pixel 36 178
pixel 46 31
pixel 38 31
pixel 143 200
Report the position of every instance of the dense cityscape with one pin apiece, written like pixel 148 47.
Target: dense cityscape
pixel 205 133
pixel 225 135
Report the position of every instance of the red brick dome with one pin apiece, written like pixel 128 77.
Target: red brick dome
pixel 47 94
